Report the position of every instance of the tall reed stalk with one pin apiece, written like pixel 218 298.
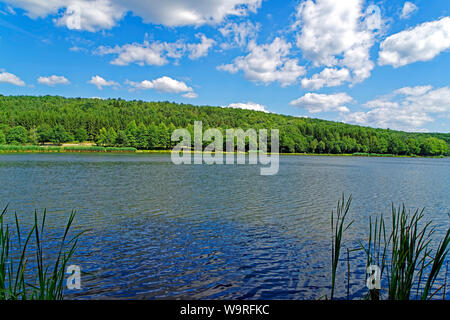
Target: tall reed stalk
pixel 338 228
pixel 17 282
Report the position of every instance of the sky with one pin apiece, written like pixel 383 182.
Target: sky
pixel 382 64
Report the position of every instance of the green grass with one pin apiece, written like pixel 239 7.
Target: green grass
pixel 361 154
pixel 62 149
pixel 46 281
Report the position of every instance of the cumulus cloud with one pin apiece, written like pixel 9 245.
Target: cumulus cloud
pixel 338 34
pixel 329 77
pixel 239 33
pixel 156 53
pixel 53 80
pixel 267 63
pixel 198 50
pixel 182 12
pixel 408 9
pixel 164 84
pixel 408 109
pixel 11 78
pixel 152 54
pixel 422 43
pixel 316 103
pixel 92 15
pixel 190 95
pixel 99 82
pixel 413 91
pixel 247 106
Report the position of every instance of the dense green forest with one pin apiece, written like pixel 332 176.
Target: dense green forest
pixel 148 125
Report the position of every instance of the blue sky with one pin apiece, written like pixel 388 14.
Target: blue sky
pixel 373 63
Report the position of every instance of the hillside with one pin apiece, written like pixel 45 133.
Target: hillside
pixel 148 125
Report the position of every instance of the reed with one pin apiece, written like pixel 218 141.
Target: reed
pixel 338 228
pixel 404 253
pixel 46 281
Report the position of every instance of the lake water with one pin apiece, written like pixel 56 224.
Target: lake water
pixel 216 232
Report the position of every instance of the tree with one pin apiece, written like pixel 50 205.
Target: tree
pixel 102 137
pixel 287 144
pixel 80 116
pixel 413 146
pixel 301 143
pixel 81 135
pixel 313 145
pixel 59 135
pixel 44 132
pixel 163 135
pixel 112 136
pixel 142 136
pixel 17 135
pixel 321 147
pixel 396 145
pixel 2 138
pixel 32 136
pixel 131 131
pixel 121 139
pixel 106 137
pixel 153 137
pixel 433 147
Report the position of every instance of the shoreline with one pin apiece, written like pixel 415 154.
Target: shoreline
pixel 62 149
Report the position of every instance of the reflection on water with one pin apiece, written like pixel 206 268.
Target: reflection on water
pixel 213 232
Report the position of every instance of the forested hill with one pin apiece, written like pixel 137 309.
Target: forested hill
pixel 148 125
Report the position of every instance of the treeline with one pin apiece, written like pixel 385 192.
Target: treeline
pixel 148 125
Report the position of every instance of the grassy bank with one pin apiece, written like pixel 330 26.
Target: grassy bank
pixel 62 149
pixel 99 149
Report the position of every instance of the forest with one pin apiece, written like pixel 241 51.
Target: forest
pixel 30 120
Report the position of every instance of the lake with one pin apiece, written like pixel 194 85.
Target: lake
pixel 161 231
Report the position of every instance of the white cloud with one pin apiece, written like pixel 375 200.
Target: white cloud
pixel 267 63
pixel 198 50
pixel 316 103
pixel 152 54
pixel 99 82
pixel 190 95
pixel 413 91
pixel 240 34
pixel 11 78
pixel 93 15
pixel 231 68
pixel 53 80
pixel 90 15
pixel 164 84
pixel 408 9
pixel 338 34
pixel 247 106
pixel 182 12
pixel 407 109
pixel 327 78
pixel 156 53
pixel 421 43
